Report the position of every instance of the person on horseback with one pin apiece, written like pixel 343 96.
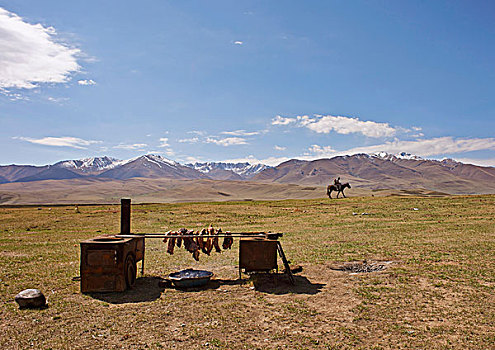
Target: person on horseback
pixel 337 186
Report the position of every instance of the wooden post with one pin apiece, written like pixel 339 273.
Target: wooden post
pixel 125 216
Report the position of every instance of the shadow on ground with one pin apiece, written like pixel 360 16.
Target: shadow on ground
pixel 145 289
pixel 271 283
pixel 278 283
pixel 150 288
pixel 212 284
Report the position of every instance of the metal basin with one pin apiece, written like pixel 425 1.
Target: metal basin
pixel 190 278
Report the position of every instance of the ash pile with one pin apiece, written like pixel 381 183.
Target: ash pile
pixel 362 267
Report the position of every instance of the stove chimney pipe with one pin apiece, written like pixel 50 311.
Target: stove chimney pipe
pixel 125 216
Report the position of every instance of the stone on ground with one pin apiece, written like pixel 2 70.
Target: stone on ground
pixel 30 298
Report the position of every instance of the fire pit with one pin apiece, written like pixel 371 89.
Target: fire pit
pixel 190 278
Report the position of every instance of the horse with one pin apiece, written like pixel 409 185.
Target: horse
pixel 338 188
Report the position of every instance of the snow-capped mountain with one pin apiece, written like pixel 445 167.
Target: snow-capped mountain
pixel 151 166
pixel 376 171
pixel 89 165
pixel 401 155
pixel 223 171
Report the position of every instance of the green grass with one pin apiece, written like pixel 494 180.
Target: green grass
pixel 438 293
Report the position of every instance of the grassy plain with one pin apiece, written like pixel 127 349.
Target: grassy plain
pixel 438 292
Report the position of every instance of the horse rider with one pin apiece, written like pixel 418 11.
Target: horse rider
pixel 337 183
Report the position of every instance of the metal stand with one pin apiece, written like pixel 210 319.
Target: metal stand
pixel 286 264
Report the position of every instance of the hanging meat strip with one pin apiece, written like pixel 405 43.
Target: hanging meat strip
pixel 196 255
pixel 209 241
pixel 227 241
pixel 201 240
pixel 166 238
pixel 196 239
pixel 171 243
pixel 179 239
pixel 215 241
pixel 189 243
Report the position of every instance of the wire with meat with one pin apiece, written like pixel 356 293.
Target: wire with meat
pixel 198 241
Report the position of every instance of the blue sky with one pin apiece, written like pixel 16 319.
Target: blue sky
pixel 263 81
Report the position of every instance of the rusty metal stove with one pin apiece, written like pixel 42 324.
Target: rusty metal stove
pixel 108 263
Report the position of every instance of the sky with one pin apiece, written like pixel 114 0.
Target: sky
pixel 257 81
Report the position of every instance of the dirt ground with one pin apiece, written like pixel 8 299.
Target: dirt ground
pixel 259 312
pixel 436 292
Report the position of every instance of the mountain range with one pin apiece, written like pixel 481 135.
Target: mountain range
pixel 375 173
pixel 146 166
pixel 385 171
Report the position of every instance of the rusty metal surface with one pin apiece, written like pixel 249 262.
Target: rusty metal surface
pixel 125 216
pixel 103 262
pixel 257 254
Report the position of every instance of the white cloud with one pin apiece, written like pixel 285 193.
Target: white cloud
pixel 421 147
pixel 86 82
pixel 429 147
pixel 238 42
pixel 164 142
pixel 191 159
pixel 279 120
pixel 13 96
pixel 279 148
pixel 240 133
pixel 482 162
pixel 58 100
pixel 30 54
pixel 341 125
pixel 190 140
pixel 133 147
pixel 321 151
pixel 66 141
pixel 169 152
pixel 228 141
pixel 197 132
pixel 346 125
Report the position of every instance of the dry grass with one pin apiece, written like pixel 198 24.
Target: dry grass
pixel 437 294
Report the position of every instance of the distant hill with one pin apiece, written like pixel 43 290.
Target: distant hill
pixel 386 171
pixel 15 172
pixel 3 180
pixel 158 190
pixel 50 173
pixel 366 172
